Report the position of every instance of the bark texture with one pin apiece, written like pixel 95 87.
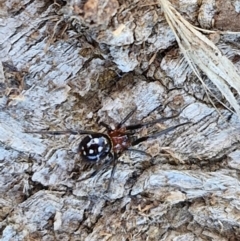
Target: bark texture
pixel 69 65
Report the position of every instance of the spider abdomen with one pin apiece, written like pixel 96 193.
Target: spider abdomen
pixel 95 147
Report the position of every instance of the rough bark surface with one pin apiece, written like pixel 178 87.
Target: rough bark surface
pixel 69 65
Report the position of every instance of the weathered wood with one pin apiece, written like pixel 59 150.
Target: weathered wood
pixel 67 67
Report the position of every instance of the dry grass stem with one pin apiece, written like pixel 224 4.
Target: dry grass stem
pixel 201 53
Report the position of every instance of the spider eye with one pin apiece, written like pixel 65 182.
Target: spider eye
pixel 95 147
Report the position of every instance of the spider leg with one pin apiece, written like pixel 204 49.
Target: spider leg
pixel 115 158
pixel 140 125
pixel 99 168
pixel 105 125
pixel 126 118
pixel 139 151
pixel 71 132
pixel 144 138
pixel 120 124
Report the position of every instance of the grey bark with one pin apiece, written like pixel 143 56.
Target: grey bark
pixel 70 66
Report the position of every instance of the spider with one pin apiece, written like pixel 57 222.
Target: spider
pixel 96 146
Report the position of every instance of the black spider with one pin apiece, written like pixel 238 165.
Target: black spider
pixel 96 146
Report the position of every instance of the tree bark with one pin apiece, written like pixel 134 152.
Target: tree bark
pixel 71 64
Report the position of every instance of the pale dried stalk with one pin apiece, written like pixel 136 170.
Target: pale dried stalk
pixel 201 53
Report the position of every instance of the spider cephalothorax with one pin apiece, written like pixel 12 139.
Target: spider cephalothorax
pixel 95 146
